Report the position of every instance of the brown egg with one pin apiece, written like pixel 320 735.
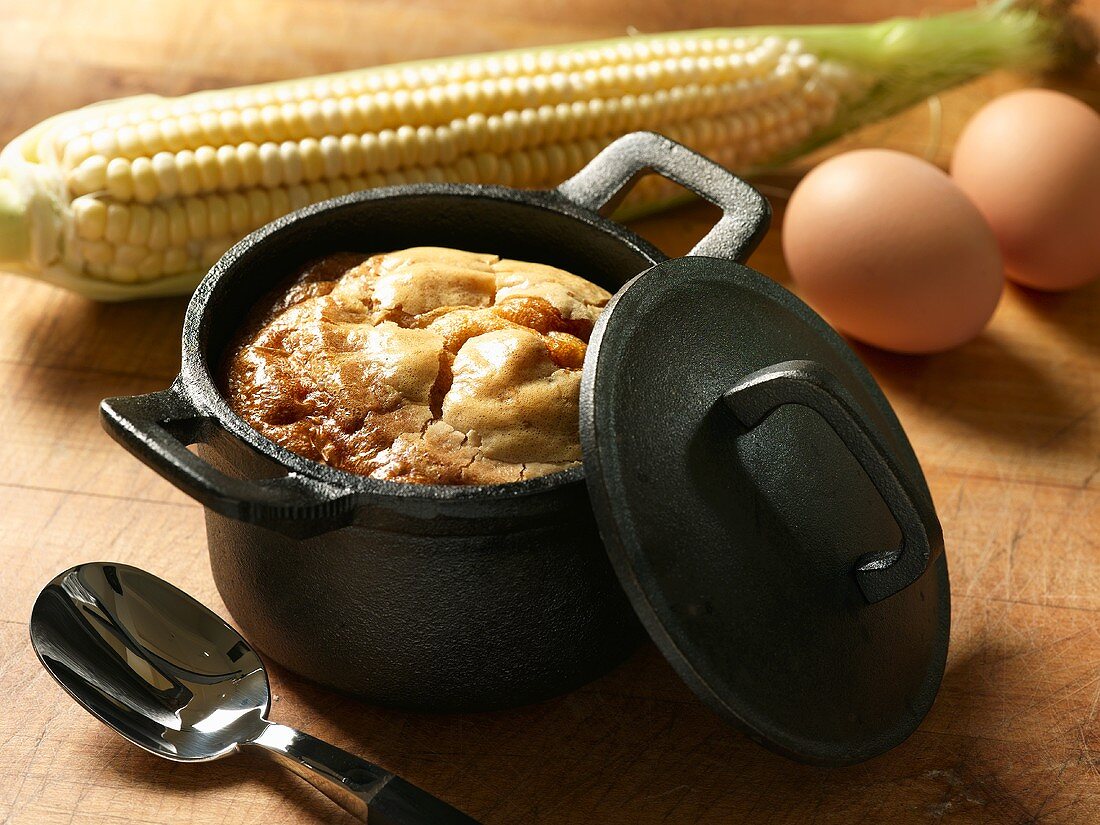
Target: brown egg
pixel 1030 161
pixel 891 252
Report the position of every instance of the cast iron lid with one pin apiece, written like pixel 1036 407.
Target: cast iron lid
pixel 764 511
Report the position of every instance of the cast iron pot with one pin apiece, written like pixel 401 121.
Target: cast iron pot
pixel 427 597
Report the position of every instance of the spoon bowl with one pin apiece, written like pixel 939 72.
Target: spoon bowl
pixel 151 662
pixel 173 678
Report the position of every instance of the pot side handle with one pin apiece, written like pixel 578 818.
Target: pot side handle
pixel 809 384
pixel 157 428
pixel 609 176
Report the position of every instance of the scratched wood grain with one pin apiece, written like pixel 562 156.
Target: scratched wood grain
pixel 1006 426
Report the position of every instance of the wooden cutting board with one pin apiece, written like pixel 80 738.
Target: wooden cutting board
pixel 1007 429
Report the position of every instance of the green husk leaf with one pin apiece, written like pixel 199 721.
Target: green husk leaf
pixel 914 58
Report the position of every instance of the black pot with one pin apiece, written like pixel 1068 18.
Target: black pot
pixel 745 481
pixel 436 597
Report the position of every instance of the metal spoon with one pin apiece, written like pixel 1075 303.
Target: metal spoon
pixel 173 678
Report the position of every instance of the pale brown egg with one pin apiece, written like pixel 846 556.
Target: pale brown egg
pixel 891 252
pixel 1030 162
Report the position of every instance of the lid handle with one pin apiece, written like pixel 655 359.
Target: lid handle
pixel 608 177
pixel 807 383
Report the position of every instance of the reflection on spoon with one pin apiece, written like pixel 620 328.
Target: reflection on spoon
pixel 176 680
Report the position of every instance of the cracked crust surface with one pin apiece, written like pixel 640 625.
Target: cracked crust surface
pixel 425 365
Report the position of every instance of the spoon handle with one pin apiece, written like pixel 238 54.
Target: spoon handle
pixel 359 787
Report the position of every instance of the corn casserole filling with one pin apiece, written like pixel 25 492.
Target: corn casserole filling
pixel 425 365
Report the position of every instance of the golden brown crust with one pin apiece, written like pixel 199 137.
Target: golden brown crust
pixel 427 365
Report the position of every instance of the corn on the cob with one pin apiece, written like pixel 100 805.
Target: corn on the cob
pixel 137 197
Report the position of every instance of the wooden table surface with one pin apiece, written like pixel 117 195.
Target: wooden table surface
pixel 1006 427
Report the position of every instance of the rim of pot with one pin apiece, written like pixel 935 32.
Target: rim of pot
pixel 199 383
